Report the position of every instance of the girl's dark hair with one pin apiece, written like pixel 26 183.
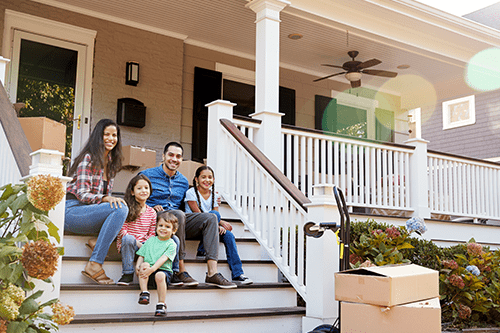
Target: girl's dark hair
pixel 95 147
pixel 166 216
pixel 196 175
pixel 134 209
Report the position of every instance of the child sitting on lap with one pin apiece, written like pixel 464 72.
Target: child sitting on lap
pixel 154 266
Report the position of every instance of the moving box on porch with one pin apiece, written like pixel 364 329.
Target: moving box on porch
pixel 387 285
pixel 138 157
pixel 417 317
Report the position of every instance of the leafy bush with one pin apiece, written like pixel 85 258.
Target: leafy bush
pixel 26 253
pixel 469 274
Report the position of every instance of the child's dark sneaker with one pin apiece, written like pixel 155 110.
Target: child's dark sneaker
pixel 161 309
pixel 220 281
pixel 243 280
pixel 201 255
pixel 144 298
pixel 179 279
pixel 126 279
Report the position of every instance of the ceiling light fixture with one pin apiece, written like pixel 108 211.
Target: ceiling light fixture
pixel 404 66
pixel 295 36
pixel 353 76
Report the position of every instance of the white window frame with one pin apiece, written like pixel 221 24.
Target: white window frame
pixel 470 102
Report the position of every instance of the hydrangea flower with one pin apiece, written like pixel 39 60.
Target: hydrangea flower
pixel 464 311
pixel 40 259
pixel 62 314
pixel 456 281
pixel 416 224
pixel 474 249
pixel 392 232
pixel 451 264
pixel 11 298
pixel 45 191
pixel 473 270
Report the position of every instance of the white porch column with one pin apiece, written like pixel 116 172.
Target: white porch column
pixel 322 261
pixel 419 192
pixel 268 137
pixel 216 150
pixel 45 161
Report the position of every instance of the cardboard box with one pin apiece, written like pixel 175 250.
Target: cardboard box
pixel 138 157
pixel 188 169
pixel 44 133
pixel 418 317
pixel 387 285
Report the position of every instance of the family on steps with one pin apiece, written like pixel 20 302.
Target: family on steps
pixel 148 222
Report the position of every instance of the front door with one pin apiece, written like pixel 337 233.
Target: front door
pixel 47 75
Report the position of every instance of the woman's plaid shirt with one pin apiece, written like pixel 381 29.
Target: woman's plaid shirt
pixel 88 183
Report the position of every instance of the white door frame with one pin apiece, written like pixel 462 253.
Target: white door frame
pixel 57 34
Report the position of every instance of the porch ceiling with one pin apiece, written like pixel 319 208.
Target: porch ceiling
pixel 434 44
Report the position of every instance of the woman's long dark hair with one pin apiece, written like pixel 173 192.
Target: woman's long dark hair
pixel 95 147
pixel 134 209
pixel 196 175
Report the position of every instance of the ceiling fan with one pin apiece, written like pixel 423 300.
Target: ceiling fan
pixel 354 70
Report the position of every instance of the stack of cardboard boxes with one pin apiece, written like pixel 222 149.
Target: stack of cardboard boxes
pixel 389 299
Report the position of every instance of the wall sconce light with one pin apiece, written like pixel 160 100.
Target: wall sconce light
pixel 132 77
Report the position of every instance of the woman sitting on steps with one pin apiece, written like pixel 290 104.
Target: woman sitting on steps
pixel 90 208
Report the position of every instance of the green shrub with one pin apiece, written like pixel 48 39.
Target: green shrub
pixel 468 273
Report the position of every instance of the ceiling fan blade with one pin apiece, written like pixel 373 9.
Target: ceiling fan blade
pixel 326 77
pixel 379 73
pixel 334 66
pixel 369 63
pixel 355 84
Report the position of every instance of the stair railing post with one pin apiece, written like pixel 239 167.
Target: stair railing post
pixel 419 185
pixel 322 261
pixel 216 148
pixel 49 162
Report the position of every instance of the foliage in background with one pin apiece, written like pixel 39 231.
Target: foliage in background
pixel 469 274
pixel 24 220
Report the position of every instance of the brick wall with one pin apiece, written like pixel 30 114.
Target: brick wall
pixel 160 86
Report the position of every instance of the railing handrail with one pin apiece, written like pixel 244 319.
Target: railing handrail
pixel 284 182
pixel 14 132
pixel 290 129
pixel 463 159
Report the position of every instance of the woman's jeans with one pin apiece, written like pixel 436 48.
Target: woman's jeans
pixel 233 258
pixel 101 219
pixel 129 249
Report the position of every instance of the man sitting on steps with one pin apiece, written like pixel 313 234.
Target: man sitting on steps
pixel 169 189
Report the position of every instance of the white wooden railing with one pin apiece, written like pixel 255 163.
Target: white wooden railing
pixel 266 208
pixel 377 175
pixel 463 186
pixel 370 174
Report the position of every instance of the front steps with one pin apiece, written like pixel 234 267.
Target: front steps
pixel 267 305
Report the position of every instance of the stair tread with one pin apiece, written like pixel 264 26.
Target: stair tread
pixel 135 286
pixel 187 315
pixel 191 261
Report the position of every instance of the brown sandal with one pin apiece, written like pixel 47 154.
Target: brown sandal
pixel 99 277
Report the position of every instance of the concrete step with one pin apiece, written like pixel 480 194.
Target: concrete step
pixel 257 270
pixel 94 298
pixel 282 319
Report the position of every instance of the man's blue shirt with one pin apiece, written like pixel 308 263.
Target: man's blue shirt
pixel 167 191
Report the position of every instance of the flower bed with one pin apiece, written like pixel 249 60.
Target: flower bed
pixel 469 273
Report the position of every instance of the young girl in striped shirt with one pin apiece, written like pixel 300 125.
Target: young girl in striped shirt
pixel 139 226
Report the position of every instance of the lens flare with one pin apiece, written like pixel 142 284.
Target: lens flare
pixel 415 92
pixel 483 70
